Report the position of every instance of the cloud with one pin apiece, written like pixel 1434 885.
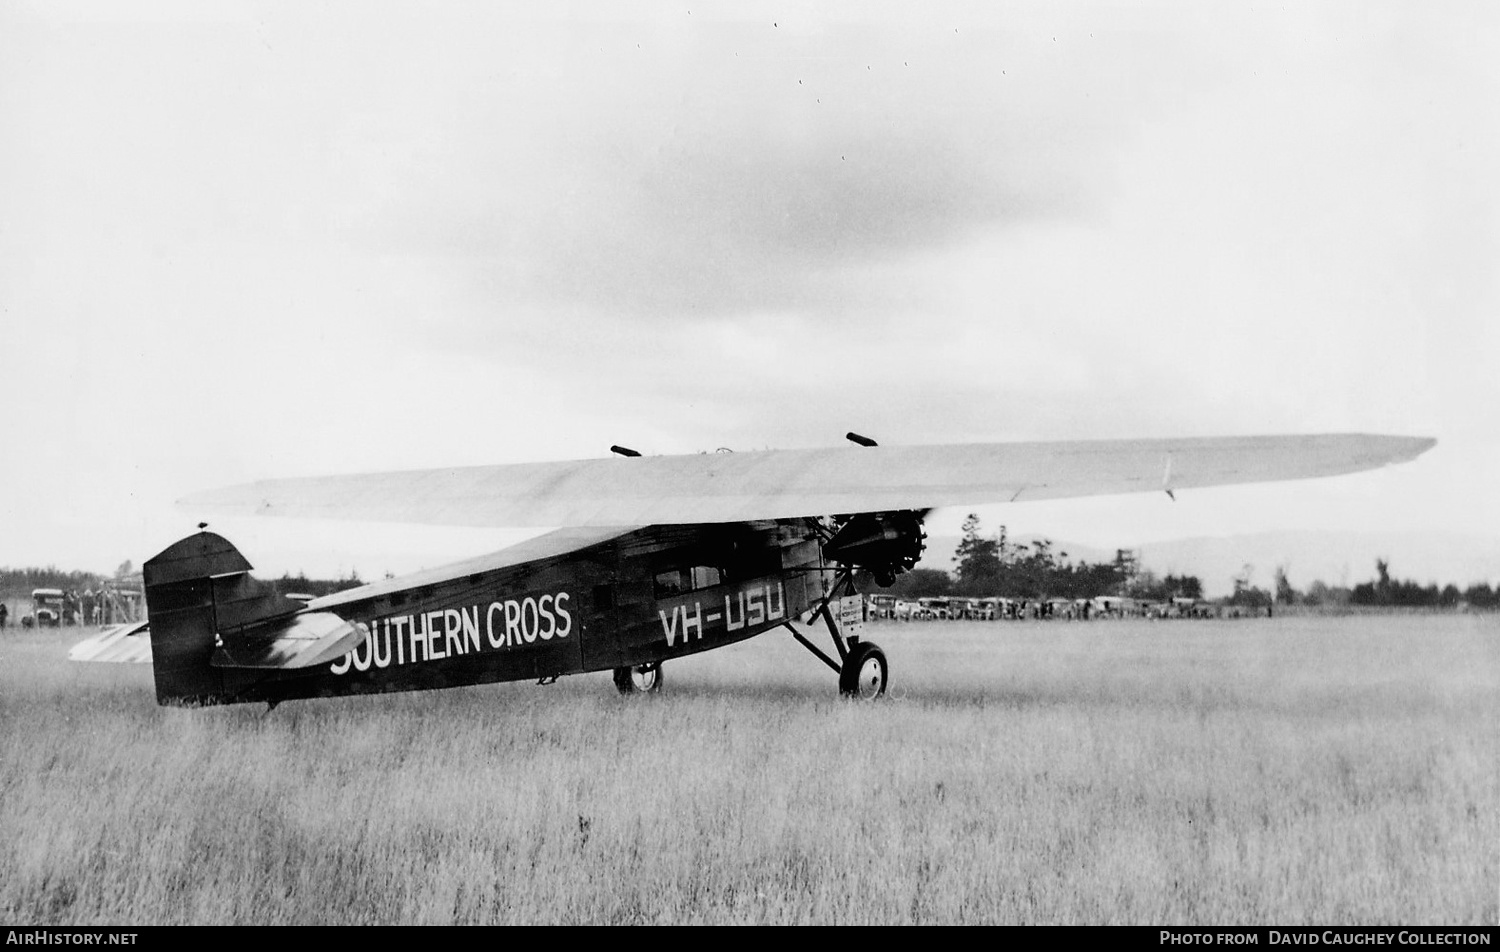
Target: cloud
pixel 725 169
pixel 314 239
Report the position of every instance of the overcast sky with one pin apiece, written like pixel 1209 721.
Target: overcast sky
pixel 241 241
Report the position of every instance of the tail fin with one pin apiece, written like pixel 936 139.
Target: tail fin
pixel 196 589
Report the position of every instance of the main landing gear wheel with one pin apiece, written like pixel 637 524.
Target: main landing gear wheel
pixel 641 679
pixel 864 673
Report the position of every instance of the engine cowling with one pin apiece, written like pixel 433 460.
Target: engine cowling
pixel 883 543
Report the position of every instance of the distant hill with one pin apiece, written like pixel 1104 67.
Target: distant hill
pixel 1336 558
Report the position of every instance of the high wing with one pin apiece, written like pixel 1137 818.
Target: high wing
pixel 785 484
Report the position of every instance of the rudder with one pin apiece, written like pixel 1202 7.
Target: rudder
pixel 195 589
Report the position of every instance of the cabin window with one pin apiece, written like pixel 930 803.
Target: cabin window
pixel 679 581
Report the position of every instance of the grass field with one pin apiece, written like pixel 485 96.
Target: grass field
pixel 1286 771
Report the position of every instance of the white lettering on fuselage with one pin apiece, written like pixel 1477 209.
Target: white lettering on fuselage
pixel 751 606
pixel 456 632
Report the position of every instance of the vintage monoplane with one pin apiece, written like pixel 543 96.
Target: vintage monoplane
pixel 656 558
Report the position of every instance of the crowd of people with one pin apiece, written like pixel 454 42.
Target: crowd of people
pixel 55 607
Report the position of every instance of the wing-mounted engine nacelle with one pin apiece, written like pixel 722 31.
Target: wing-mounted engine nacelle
pixel 884 543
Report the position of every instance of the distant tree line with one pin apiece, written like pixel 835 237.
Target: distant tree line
pixel 19 583
pixel 1386 592
pixel 302 585
pixel 993 565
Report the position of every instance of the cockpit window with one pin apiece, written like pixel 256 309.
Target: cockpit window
pixel 671 583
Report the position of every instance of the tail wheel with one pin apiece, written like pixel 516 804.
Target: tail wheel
pixel 640 679
pixel 864 673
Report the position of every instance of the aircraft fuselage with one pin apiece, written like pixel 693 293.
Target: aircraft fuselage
pixel 640 598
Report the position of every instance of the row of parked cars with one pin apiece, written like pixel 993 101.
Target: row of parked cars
pixel 949 608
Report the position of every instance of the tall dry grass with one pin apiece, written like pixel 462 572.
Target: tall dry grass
pixel 1310 770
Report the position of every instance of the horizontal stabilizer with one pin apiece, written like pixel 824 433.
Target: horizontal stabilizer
pixel 122 644
pixel 299 641
pixel 789 484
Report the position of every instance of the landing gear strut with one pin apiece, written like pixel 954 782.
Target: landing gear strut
pixel 862 669
pixel 639 679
